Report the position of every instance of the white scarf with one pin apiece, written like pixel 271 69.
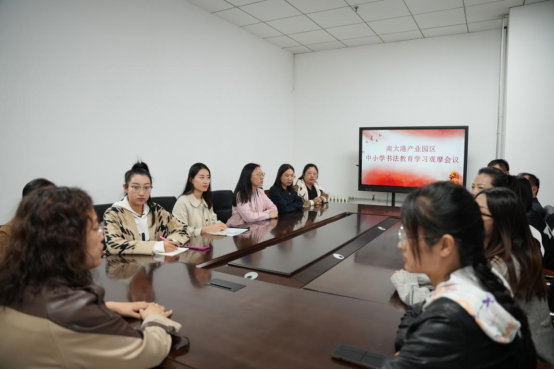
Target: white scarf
pixel 492 318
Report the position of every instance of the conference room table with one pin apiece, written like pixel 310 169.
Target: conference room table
pixel 322 278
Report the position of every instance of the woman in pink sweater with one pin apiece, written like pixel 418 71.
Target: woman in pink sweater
pixel 250 203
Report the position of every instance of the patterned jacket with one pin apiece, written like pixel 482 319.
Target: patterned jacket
pixel 122 236
pixel 302 192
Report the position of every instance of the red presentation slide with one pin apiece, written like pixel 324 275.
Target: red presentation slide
pixel 412 158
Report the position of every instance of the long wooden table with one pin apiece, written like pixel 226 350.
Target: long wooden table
pixel 280 320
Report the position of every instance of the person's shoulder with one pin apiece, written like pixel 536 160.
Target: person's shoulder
pixel 273 190
pixel 83 310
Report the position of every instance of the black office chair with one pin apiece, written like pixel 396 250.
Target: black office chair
pixel 549 217
pixel 223 204
pixel 166 202
pixel 100 209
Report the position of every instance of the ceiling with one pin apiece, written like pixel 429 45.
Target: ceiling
pixel 305 26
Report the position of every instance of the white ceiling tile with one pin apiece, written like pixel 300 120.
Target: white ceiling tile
pixel 282 41
pixel 271 9
pixel 393 25
pixel 243 2
pixel 310 6
pixel 335 17
pixel 211 5
pixel 440 19
pixel 299 50
pixel 363 41
pixel 262 30
pixel 326 46
pixel 490 11
pixel 357 2
pixel 402 36
pixel 312 37
pixel 383 10
pixel 485 26
pixel 444 31
pixel 351 31
pixel 478 2
pixel 237 17
pixel 297 24
pixel 527 2
pixel 428 6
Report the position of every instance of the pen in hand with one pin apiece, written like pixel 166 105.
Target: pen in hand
pixel 169 245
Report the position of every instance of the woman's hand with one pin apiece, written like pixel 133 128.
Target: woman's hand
pixel 273 213
pixel 127 309
pixel 154 309
pixel 318 200
pixel 214 229
pixel 170 246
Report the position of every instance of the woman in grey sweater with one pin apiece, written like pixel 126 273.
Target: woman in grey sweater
pixel 511 249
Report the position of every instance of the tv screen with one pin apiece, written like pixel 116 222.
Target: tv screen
pixel 400 159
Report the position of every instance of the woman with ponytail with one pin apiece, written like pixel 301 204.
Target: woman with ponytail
pixel 510 247
pixel 470 320
pixel 136 225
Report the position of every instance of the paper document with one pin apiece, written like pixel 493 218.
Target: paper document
pixel 174 253
pixel 230 231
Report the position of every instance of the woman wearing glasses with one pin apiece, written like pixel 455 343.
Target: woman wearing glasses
pixel 282 193
pixel 51 313
pixel 308 188
pixel 250 203
pixel 135 225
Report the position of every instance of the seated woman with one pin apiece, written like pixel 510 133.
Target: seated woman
pixel 128 230
pixel 470 320
pixel 488 177
pixel 5 230
pixel 250 202
pixel 308 188
pixel 282 193
pixel 510 247
pixel 51 315
pixel 195 206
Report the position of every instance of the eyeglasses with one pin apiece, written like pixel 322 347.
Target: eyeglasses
pixel 311 174
pixel 289 176
pixel 260 175
pixel 402 236
pixel 486 215
pixel 99 229
pixel 137 189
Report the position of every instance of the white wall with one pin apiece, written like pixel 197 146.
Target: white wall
pixel 530 94
pixel 430 82
pixel 87 87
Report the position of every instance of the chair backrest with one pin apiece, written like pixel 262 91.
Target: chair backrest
pixel 549 217
pixel 223 204
pixel 100 209
pixel 166 202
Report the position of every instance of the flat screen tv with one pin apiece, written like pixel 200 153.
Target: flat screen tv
pixel 400 159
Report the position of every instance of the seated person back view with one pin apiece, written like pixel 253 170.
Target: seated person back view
pixel 51 314
pixel 443 237
pixel 136 225
pixel 5 230
pixel 535 185
pixel 501 164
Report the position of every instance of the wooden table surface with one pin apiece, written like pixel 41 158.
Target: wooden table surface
pixel 268 325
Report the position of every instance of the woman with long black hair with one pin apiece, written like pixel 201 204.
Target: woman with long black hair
pixel 282 193
pixel 470 320
pixel 510 248
pixel 250 203
pixel 195 206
